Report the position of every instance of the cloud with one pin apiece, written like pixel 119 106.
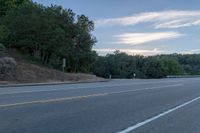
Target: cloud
pixel 163 19
pixel 193 51
pixel 155 51
pixel 178 24
pixel 141 38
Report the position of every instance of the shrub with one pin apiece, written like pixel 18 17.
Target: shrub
pixel 2 47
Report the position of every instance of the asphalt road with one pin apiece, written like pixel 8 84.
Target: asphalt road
pixel 118 106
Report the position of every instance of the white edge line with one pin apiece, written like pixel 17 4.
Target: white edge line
pixel 131 128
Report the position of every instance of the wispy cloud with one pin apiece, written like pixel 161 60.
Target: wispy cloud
pixel 154 51
pixel 193 51
pixel 178 23
pixel 163 19
pixel 141 38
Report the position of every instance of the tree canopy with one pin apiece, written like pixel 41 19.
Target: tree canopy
pixel 48 34
pixel 121 65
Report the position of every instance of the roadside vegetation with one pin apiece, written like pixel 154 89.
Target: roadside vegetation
pixel 45 35
pixel 48 34
pixel 121 65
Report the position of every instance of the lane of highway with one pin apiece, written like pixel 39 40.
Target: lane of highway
pixel 122 107
pixel 34 94
pixel 113 83
pixel 11 99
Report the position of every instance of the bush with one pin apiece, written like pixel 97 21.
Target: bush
pixel 2 47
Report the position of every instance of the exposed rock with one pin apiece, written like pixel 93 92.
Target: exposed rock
pixel 7 65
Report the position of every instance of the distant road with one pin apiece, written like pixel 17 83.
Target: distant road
pixel 119 106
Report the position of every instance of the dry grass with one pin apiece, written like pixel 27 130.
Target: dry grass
pixel 29 73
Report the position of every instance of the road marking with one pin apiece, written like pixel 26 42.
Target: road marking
pixel 138 125
pixel 53 100
pixel 95 87
pixel 86 96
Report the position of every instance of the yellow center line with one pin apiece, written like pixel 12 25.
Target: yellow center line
pixel 85 96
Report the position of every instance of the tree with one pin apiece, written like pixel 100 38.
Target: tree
pixel 153 68
pixel 6 5
pixel 121 65
pixel 171 66
pixel 49 34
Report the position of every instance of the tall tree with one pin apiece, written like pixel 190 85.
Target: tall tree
pixel 50 34
pixel 6 5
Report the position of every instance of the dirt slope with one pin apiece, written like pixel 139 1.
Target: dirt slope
pixel 30 73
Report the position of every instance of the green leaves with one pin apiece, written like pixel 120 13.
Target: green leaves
pixel 172 66
pixel 49 34
pixel 121 65
pixel 2 47
pixel 6 5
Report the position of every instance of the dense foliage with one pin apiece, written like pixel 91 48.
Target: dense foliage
pixel 189 62
pixel 48 34
pixel 121 65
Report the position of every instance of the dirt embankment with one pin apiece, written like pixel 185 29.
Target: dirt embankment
pixel 29 73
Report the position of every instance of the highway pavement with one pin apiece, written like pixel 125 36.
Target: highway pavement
pixel 118 106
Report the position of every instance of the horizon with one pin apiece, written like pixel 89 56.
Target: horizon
pixel 141 27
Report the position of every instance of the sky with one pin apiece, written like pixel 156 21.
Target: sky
pixel 146 27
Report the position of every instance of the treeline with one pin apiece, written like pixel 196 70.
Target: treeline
pixel 48 34
pixel 121 65
pixel 189 62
